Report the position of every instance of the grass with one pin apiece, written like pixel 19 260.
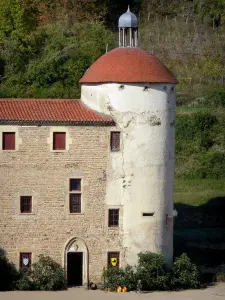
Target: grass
pixel 197 192
pixel 199 197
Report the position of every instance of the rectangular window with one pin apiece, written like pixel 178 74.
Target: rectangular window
pixel 25 204
pixel 8 141
pixel 75 203
pixel 115 141
pixel 75 195
pixel 25 261
pixel 75 185
pixel 59 141
pixel 113 259
pixel 113 217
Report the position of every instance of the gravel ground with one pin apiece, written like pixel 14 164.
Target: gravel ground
pixel 216 292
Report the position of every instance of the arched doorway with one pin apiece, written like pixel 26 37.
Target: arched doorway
pixel 76 262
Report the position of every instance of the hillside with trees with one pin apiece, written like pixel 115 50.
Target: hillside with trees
pixel 46 46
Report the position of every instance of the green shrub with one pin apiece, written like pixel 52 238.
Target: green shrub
pixel 216 97
pixel 152 272
pixel 8 273
pixel 47 275
pixel 23 282
pixel 114 277
pixel 184 274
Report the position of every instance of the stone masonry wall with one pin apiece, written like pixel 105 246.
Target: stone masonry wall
pixel 34 170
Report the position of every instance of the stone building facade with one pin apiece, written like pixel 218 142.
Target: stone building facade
pixel 35 169
pixel 90 182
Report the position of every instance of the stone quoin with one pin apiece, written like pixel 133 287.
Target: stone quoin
pixel 89 182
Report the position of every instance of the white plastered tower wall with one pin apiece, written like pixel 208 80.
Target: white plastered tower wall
pixel 140 177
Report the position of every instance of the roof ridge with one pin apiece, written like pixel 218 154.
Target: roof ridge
pixel 39 99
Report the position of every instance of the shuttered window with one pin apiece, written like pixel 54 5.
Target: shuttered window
pixel 25 261
pixel 25 204
pixel 8 141
pixel 59 141
pixel 113 217
pixel 113 259
pixel 115 141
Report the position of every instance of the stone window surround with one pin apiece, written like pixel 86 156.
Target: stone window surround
pixel 114 228
pixel 17 203
pixel 81 192
pixel 59 129
pixel 110 140
pixel 18 140
pixel 24 250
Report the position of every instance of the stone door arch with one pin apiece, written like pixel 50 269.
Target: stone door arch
pixel 78 245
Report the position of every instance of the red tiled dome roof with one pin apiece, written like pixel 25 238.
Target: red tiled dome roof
pixel 128 65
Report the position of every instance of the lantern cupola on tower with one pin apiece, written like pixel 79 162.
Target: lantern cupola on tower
pixel 128 30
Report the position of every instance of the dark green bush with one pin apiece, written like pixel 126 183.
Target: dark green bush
pixel 114 277
pixel 23 282
pixel 152 272
pixel 184 274
pixel 47 275
pixel 8 273
pixel 216 97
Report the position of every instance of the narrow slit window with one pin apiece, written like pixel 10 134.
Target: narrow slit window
pixel 59 141
pixel 8 141
pixel 115 141
pixel 147 214
pixel 113 259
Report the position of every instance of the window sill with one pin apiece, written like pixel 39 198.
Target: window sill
pixel 115 150
pixel 59 151
pixel 8 150
pixel 76 214
pixel 114 228
pixel 26 214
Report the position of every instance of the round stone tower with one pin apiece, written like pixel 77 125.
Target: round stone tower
pixel 138 92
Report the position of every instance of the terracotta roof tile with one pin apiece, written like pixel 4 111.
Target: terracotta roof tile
pixel 128 65
pixel 49 110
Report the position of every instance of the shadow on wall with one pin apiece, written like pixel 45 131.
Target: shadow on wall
pixel 200 232
pixel 8 272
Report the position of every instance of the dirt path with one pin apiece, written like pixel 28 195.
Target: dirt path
pixel 211 293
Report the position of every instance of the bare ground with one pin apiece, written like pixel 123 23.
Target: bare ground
pixel 211 293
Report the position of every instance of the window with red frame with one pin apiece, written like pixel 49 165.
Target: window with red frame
pixel 59 141
pixel 113 259
pixel 25 261
pixel 8 141
pixel 25 204
pixel 115 141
